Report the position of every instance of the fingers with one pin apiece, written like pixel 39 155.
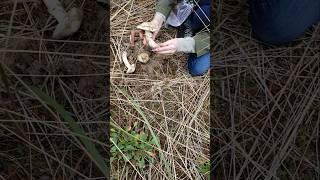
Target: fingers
pixel 169 52
pixel 170 42
pixel 167 47
pixel 164 48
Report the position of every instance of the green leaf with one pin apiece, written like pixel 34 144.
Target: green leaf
pixel 141 163
pixel 155 141
pixel 130 148
pixel 121 146
pixel 136 157
pixel 204 168
pixel 114 134
pixel 143 137
pixel 129 157
pixel 151 159
pixel 142 146
pixel 113 149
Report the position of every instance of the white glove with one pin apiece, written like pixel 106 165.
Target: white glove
pixel 157 21
pixel 155 24
pixel 186 45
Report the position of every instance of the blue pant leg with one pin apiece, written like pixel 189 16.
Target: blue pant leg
pixel 200 17
pixel 281 21
pixel 199 65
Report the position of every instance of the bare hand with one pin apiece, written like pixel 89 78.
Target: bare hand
pixel 168 47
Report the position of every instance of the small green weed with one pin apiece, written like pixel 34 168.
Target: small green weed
pixel 133 146
pixel 204 168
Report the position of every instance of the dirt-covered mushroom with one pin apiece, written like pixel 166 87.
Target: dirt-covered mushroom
pixel 130 67
pixel 149 29
pixel 68 22
pixel 143 57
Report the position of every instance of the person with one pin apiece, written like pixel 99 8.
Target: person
pixel 192 18
pixel 277 22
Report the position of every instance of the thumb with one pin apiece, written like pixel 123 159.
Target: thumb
pixel 166 43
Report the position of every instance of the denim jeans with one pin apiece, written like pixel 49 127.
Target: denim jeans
pixel 197 66
pixel 278 22
pixel 198 20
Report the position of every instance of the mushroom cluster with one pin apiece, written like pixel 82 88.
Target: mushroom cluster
pixel 68 22
pixel 148 29
pixel 142 56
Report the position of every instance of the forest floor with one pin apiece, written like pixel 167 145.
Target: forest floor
pixel 159 101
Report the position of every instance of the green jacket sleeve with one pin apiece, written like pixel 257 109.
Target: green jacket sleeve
pixel 165 6
pixel 202 43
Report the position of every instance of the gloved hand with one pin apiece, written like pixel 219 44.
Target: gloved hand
pixel 157 21
pixel 186 45
pixel 156 24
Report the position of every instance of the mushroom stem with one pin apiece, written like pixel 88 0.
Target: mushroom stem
pixel 131 67
pixel 55 8
pixel 150 41
pixel 68 22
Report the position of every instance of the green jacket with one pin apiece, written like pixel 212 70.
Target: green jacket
pixel 202 39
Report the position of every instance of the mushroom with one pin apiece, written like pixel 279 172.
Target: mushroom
pixel 149 29
pixel 130 67
pixel 143 57
pixel 68 22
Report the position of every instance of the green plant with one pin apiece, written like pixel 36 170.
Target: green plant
pixel 204 168
pixel 130 145
pixel 156 140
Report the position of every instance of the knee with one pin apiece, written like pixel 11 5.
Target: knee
pixel 276 30
pixel 199 65
pixel 275 25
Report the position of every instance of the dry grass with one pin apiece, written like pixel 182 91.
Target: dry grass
pixel 267 99
pixel 174 104
pixel 35 141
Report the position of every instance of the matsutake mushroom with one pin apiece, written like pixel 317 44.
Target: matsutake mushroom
pixel 148 33
pixel 68 22
pixel 143 57
pixel 130 67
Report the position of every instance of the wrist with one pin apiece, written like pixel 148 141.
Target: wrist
pixel 158 19
pixel 186 45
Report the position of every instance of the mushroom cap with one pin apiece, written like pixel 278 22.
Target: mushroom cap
pixel 70 25
pixel 147 26
pixel 143 57
pixel 131 69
